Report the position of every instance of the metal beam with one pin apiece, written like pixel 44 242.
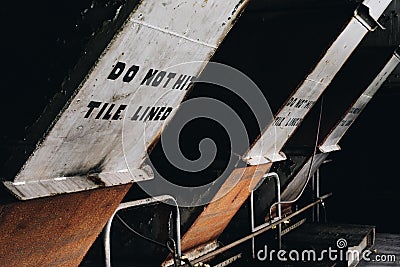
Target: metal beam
pixel 98 140
pixel 295 188
pixel 291 114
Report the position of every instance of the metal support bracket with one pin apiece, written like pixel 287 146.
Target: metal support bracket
pixel 363 15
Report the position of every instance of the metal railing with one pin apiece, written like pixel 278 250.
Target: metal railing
pixel 258 232
pixel 279 209
pixel 141 202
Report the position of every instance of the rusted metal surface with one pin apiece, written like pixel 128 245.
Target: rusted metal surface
pixel 137 203
pixel 286 210
pixel 291 114
pixel 55 231
pixel 141 72
pixel 217 215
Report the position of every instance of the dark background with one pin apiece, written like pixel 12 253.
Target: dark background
pixel 276 43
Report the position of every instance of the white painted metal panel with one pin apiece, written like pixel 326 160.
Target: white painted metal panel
pixel 199 21
pixel 296 186
pixel 376 7
pixel 289 117
pixel 331 141
pixel 83 149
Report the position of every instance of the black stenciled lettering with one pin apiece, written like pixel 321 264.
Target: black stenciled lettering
pixel 92 105
pixel 158 79
pixel 179 82
pixel 152 113
pixel 159 113
pixel 292 122
pixel 117 114
pixel 309 104
pixel 166 113
pixel 298 104
pixel 291 101
pixel 116 71
pixel 348 123
pixel 136 115
pixel 144 113
pixel 278 121
pixel 355 110
pixel 149 76
pixel 170 76
pixel 103 108
pixel 131 73
pixel 185 82
pixel 288 122
pixel 193 79
pixel 108 114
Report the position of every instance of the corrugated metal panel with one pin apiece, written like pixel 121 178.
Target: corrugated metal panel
pixel 105 119
pixel 268 147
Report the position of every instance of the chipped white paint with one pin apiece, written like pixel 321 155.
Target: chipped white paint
pixel 289 117
pixel 157 35
pixel 331 141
